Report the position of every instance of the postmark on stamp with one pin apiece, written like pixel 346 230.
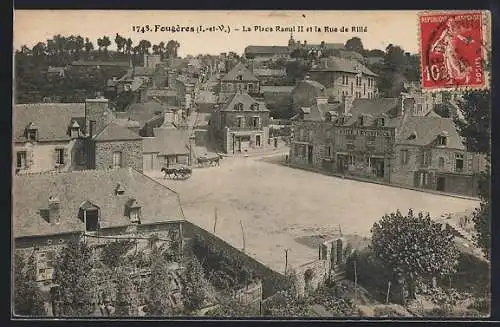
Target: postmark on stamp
pixel 452 51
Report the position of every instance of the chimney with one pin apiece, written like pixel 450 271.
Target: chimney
pixel 321 100
pixel 407 106
pixel 96 110
pixel 54 210
pixel 168 118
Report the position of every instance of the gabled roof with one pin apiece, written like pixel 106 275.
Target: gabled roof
pixel 269 72
pixel 427 130
pixel 266 49
pixel 335 64
pixel 276 89
pixel 143 112
pixel 309 82
pixel 31 193
pixel 52 120
pixel 317 112
pixel 240 69
pixel 116 132
pixel 167 142
pixel 244 99
pixel 373 107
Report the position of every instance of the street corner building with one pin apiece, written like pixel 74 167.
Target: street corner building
pixel 67 137
pixel 241 124
pixel 389 140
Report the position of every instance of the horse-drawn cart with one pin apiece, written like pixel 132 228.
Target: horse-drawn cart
pixel 177 172
pixel 209 160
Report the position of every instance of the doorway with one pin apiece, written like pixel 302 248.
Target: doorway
pixel 310 154
pixel 379 168
pixel 341 163
pixel 440 183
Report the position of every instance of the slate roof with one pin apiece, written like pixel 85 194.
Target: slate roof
pixel 167 142
pixel 335 64
pixel 427 130
pixel 116 132
pixel 240 69
pixel 276 89
pixel 143 112
pixel 269 72
pixel 332 46
pixel 206 97
pixel 31 193
pixel 312 83
pixel 374 107
pixel 266 49
pixel 317 111
pixel 52 120
pixel 243 98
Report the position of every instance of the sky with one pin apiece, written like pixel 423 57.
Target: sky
pixel 376 29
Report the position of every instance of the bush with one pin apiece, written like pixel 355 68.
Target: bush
pixel 389 311
pixel 481 305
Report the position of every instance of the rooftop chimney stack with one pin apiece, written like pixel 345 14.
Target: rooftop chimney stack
pixel 54 210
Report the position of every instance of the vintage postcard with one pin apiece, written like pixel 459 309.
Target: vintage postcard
pixel 260 164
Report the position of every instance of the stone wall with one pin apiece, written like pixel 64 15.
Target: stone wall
pixel 131 154
pixel 270 278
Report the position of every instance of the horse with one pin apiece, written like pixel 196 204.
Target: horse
pixel 168 172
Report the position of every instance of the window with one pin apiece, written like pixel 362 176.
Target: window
pixel 441 162
pixel 381 122
pixel 91 217
pixel 255 121
pixel 427 158
pixel 21 160
pixel 239 77
pixel 459 162
pixel 255 107
pixel 60 157
pixel 370 140
pixel 117 159
pixel 345 80
pixel 32 134
pixel 404 157
pixel 419 108
pixel 301 134
pixel 329 151
pixel 44 265
pixel 134 215
pixel 250 88
pixel 310 135
pixel 257 140
pixel 352 160
pixel 238 107
pixel 441 140
pixel 360 120
pixel 364 89
pixel 240 122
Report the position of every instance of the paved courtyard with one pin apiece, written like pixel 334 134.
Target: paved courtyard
pixel 284 208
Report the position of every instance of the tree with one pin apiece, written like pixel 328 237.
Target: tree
pixel 414 248
pixel 144 46
pixel 355 44
pixel 128 45
pixel 120 42
pixel 444 109
pixel 475 107
pixel 171 48
pixel 88 45
pixel 127 300
pixel 106 42
pixel 39 49
pixel 28 300
pixel 159 286
pixel 194 285
pixel 73 274
pixel 100 44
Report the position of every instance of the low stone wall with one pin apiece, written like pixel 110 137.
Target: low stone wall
pixel 270 279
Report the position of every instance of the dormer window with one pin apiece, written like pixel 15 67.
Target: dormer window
pixel 361 120
pixel 238 107
pixel 255 106
pixel 239 77
pixel 133 211
pixel 412 136
pixel 90 214
pixel 442 139
pixel 32 132
pixel 75 129
pixel 381 122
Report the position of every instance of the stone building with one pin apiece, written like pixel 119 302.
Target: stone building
pixel 56 136
pixel 353 140
pixel 239 79
pixel 95 206
pixel 342 77
pixel 241 124
pixel 429 153
pixel 117 146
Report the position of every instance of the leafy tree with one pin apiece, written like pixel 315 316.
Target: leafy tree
pixel 296 70
pixel 172 48
pixel 194 285
pixel 374 53
pixel 475 107
pixel 113 253
pixel 444 109
pixel 88 45
pixel 28 300
pixel 159 286
pixel 414 247
pixel 355 44
pixel 127 300
pixel 120 42
pixel 128 45
pixel 73 274
pixel 106 42
pixel 144 46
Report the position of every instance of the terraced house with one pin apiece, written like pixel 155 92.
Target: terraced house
pixel 354 139
pixel 239 79
pixel 429 153
pixel 63 137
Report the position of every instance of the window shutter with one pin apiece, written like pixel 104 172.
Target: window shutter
pixel 54 158
pixel 66 156
pixel 29 158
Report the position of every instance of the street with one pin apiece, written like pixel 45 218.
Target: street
pixel 284 208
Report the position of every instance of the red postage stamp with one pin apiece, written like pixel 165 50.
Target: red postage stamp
pixel 451 46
